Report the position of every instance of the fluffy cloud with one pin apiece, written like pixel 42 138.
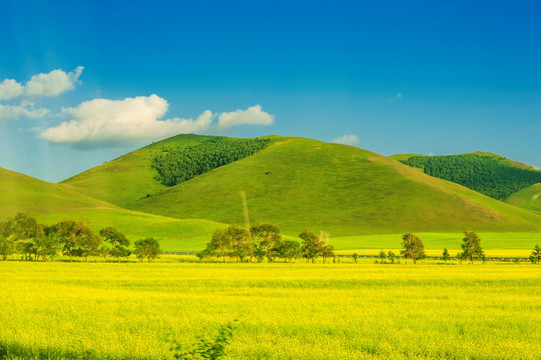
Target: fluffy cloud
pixel 347 140
pixel 25 109
pixel 102 122
pixel 251 116
pixel 53 83
pixel 10 88
pixel 106 123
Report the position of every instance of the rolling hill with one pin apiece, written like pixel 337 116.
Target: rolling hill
pixel 529 198
pixel 298 183
pixel 22 193
pixel 129 177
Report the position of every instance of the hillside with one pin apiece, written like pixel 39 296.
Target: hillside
pixel 150 169
pixel 129 177
pixel 27 194
pixel 298 183
pixel 529 198
pixel 487 173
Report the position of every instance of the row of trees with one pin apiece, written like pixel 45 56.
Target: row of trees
pixel 23 235
pixel 176 165
pixel 485 174
pixel 263 240
pixel 414 249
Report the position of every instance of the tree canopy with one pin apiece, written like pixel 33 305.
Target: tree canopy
pixel 412 247
pixel 489 175
pixel 471 247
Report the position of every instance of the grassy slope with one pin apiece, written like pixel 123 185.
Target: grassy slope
pixel 54 202
pixel 529 198
pixel 173 234
pixel 34 196
pixel 298 183
pixel 128 177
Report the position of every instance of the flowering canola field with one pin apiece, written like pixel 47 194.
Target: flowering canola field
pixel 284 311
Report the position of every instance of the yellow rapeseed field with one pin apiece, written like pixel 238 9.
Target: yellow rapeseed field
pixel 285 311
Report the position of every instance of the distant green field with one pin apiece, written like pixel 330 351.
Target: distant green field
pixel 293 311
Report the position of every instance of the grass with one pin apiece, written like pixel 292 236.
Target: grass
pixel 529 198
pixel 295 311
pixel 300 183
pixel 34 196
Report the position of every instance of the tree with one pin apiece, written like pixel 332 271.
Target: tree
pixel 220 243
pixel 413 247
pixel 268 236
pixel 289 250
pixel 147 248
pixel 311 246
pixel 240 242
pixel 356 257
pixel 7 245
pixel 391 255
pixel 382 256
pixel 67 235
pixel 536 253
pixel 260 253
pixel 471 248
pixel 327 250
pixel 24 229
pixel 47 244
pixel 118 241
pixel 87 240
pixel 445 256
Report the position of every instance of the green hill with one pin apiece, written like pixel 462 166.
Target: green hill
pixel 487 173
pixel 298 183
pixel 27 194
pixel 529 198
pixel 129 177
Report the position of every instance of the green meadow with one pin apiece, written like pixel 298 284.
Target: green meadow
pixel 295 311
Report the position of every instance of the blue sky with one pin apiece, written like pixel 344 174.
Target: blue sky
pixel 417 76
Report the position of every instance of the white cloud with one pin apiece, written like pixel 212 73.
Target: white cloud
pixel 25 109
pixel 53 83
pixel 10 88
pixel 347 140
pixel 251 116
pixel 103 122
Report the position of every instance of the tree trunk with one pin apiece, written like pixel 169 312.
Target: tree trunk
pixel 119 259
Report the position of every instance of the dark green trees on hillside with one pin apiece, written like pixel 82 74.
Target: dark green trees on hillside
pixel 176 165
pixel 485 174
pixel 412 247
